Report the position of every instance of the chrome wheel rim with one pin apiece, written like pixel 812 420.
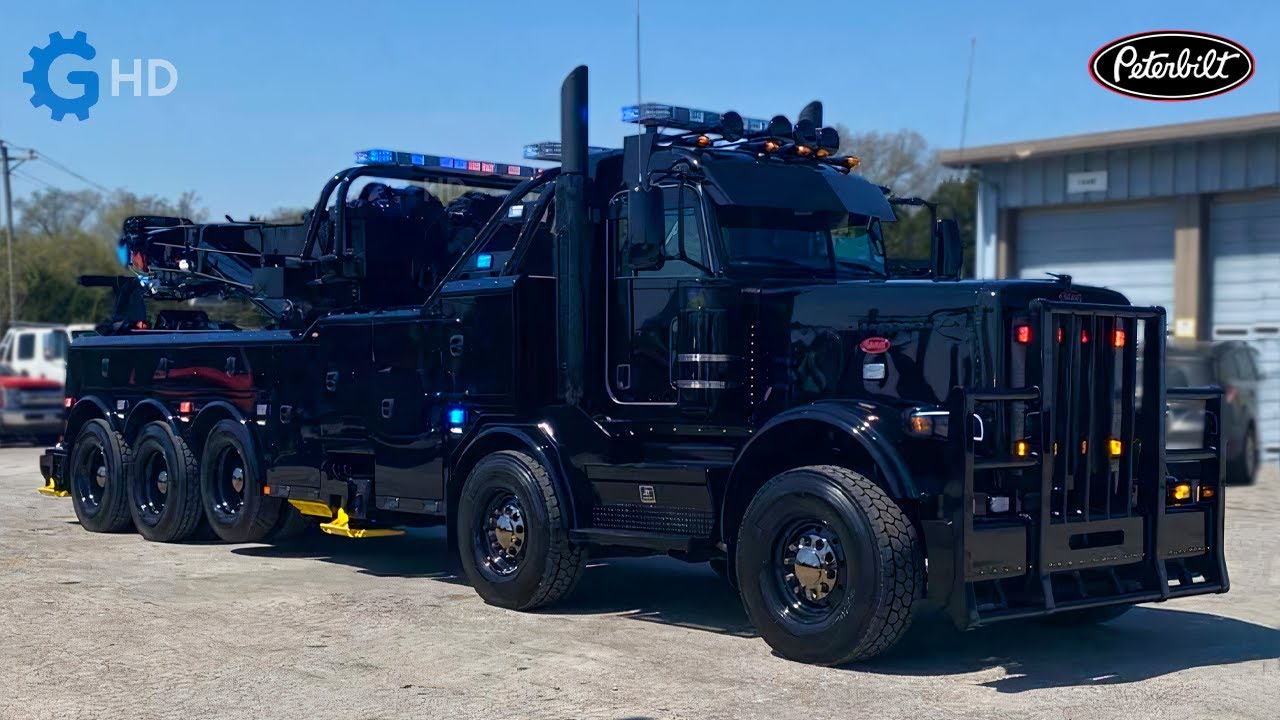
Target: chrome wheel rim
pixel 501 536
pixel 811 572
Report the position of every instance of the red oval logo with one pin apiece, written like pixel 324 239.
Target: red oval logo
pixel 874 345
pixel 1171 65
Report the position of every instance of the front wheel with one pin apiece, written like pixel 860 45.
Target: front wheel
pixel 512 535
pixel 828 566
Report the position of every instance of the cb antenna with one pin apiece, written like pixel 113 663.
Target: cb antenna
pixel 968 87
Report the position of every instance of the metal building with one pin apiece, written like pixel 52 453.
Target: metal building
pixel 1185 216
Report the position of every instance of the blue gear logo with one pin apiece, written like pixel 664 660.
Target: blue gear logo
pixel 38 76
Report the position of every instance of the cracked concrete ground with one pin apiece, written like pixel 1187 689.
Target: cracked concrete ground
pixel 111 626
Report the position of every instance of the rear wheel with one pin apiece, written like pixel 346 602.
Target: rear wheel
pixel 96 469
pixel 829 567
pixel 164 488
pixel 512 535
pixel 231 484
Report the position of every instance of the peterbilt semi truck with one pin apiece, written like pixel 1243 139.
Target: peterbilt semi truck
pixel 695 345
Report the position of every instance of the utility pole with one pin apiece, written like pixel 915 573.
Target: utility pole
pixel 5 169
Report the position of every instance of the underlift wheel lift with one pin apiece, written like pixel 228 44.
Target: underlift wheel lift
pixel 338 523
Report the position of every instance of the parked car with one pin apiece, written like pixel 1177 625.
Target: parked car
pixel 1235 366
pixel 37 350
pixel 29 406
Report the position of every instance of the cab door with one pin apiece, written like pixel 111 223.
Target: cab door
pixel 653 310
pixel 407 422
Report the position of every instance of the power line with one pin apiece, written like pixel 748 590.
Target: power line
pixel 43 156
pixel 32 178
pixel 38 155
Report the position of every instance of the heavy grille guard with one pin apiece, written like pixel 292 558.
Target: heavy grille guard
pixel 1095 529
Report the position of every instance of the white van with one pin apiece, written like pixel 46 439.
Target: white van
pixel 37 350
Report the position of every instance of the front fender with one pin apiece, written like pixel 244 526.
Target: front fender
pixel 875 427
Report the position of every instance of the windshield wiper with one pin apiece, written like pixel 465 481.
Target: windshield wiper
pixel 778 263
pixel 865 267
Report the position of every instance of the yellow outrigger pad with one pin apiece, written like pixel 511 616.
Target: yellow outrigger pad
pixel 51 490
pixel 315 508
pixel 341 525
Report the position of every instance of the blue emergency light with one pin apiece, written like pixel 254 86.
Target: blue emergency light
pixel 683 118
pixel 484 261
pixel 550 150
pixel 479 167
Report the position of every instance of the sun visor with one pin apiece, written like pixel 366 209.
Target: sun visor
pixel 801 188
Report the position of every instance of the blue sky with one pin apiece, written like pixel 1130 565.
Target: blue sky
pixel 273 96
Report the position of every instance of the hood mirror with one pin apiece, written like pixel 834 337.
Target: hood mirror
pixel 646 228
pixel 948 250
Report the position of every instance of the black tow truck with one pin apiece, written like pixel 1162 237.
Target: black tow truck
pixel 694 345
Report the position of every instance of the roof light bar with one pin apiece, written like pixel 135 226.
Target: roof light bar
pixel 481 167
pixel 683 118
pixel 550 150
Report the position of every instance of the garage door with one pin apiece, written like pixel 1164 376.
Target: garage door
pixel 1245 237
pixel 1127 248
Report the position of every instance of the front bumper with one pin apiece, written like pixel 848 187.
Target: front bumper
pixel 53 462
pixel 35 421
pixel 1092 526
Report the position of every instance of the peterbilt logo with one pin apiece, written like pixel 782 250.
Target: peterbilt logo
pixel 1171 65
pixel 874 345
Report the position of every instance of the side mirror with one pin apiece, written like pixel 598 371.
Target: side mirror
pixel 646 225
pixel 948 250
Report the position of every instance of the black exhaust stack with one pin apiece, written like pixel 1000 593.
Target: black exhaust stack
pixel 812 111
pixel 573 235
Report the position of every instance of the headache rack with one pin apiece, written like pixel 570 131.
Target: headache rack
pixel 1079 457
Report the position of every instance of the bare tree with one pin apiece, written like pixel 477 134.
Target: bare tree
pixel 901 160
pixel 56 212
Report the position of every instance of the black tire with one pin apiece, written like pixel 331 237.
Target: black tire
pixel 1087 616
pixel 541 565
pixel 292 524
pixel 829 567
pixel 96 476
pixel 164 485
pixel 233 502
pixel 1243 468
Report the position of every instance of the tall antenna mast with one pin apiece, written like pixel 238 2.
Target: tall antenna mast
pixel 968 87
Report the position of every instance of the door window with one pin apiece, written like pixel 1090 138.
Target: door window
pixel 27 346
pixel 684 245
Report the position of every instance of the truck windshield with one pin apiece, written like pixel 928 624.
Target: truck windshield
pixel 771 241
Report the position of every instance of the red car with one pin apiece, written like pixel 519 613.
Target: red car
pixel 29 407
